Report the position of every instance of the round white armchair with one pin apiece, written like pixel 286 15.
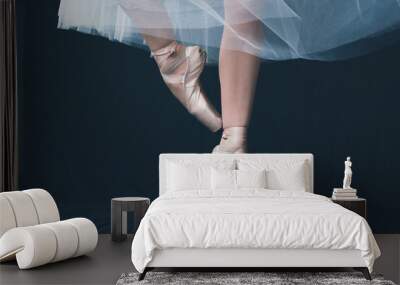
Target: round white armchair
pixel 31 230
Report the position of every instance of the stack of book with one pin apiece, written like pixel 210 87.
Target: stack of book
pixel 344 194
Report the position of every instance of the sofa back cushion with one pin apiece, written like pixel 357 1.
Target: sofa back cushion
pixel 26 208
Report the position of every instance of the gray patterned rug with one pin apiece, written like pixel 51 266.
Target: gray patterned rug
pixel 244 278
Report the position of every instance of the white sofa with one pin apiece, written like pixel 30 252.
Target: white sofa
pixel 31 231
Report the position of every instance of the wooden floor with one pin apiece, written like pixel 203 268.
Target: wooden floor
pixel 110 260
pixel 104 266
pixel 389 262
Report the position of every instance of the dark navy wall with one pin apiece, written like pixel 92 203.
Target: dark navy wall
pixel 94 115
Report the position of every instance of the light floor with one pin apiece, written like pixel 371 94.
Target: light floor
pixel 110 260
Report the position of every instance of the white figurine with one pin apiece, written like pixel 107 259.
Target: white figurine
pixel 348 173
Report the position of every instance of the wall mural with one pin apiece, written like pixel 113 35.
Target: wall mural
pixel 254 76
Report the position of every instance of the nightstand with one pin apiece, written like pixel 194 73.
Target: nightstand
pixel 357 205
pixel 119 210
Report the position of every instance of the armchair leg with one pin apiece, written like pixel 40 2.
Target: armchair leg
pixel 364 271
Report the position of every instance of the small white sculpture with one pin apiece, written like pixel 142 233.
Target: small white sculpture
pixel 348 173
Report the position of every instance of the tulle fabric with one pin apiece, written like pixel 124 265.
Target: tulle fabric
pixel 286 29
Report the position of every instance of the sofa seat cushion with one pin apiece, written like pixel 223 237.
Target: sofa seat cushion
pixel 46 243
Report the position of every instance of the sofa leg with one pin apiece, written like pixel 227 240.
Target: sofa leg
pixel 365 272
pixel 143 274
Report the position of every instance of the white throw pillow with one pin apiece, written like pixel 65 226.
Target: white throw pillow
pixel 251 178
pixel 237 179
pixel 193 175
pixel 281 174
pixel 223 179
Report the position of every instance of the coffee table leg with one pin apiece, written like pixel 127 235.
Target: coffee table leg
pixel 117 223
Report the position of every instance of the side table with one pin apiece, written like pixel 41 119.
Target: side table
pixel 357 205
pixel 119 210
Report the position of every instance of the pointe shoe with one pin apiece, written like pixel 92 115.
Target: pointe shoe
pixel 186 87
pixel 233 141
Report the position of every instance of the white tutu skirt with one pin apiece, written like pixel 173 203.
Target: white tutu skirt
pixel 270 29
